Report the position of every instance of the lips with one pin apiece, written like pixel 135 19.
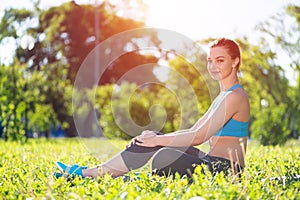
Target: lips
pixel 214 72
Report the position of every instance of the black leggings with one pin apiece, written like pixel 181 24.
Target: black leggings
pixel 167 160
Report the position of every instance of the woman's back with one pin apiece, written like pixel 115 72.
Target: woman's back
pixel 231 142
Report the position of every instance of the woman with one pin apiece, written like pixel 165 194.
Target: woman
pixel 224 125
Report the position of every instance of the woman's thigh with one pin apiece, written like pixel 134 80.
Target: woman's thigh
pixel 168 161
pixel 136 156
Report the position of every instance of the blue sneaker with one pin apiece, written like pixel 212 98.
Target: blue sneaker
pixel 57 175
pixel 74 170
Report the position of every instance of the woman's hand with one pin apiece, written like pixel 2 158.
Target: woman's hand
pixel 146 139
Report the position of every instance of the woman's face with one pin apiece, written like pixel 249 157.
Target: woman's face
pixel 219 63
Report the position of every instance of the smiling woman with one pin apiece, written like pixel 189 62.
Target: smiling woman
pixel 224 125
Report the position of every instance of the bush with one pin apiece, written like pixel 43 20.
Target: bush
pixel 271 125
pixel 24 104
pixel 12 102
pixel 127 110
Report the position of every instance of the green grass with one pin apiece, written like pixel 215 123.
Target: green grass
pixel 26 173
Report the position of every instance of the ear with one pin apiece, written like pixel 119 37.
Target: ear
pixel 236 61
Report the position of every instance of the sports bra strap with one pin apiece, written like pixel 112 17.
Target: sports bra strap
pixel 233 127
pixel 235 86
pixel 223 94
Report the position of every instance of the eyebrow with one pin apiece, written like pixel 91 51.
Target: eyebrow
pixel 219 57
pixel 216 57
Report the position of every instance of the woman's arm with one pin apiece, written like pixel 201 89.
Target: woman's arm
pixel 205 128
pixel 200 121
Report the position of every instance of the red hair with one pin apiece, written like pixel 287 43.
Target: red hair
pixel 231 46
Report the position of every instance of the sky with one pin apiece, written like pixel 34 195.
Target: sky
pixel 196 19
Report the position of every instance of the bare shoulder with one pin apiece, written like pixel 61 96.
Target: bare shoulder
pixel 238 101
pixel 238 96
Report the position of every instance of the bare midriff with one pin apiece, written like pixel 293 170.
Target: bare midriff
pixel 231 148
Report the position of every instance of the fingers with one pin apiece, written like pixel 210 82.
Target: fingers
pixel 133 141
pixel 139 140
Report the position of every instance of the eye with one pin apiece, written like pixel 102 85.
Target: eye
pixel 220 61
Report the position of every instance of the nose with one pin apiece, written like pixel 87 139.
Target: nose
pixel 210 65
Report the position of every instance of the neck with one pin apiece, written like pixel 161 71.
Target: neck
pixel 225 84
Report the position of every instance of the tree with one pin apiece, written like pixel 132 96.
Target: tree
pixel 12 27
pixel 267 88
pixel 194 75
pixel 127 62
pixel 60 39
pixel 12 104
pixel 22 99
pixel 70 32
pixel 288 42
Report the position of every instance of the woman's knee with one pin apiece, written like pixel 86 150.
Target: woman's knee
pixel 165 157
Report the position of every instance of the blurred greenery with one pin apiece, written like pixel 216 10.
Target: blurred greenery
pixel 36 89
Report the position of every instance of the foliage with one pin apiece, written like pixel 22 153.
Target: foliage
pixel 269 93
pixel 68 33
pixel 119 69
pixel 127 110
pixel 22 99
pixel 196 74
pixel 288 42
pixel 275 134
pixel 27 173
pixel 13 21
pixel 294 108
pixel 55 48
pixel 12 103
pixel 267 88
pixel 57 92
pixel 287 19
pixel 55 51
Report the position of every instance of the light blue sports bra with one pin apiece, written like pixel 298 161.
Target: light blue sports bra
pixel 232 127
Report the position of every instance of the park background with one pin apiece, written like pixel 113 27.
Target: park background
pixel 50 44
pixel 42 49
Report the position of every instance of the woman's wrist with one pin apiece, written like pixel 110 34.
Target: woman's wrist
pixel 160 140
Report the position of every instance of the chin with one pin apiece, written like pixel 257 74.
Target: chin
pixel 216 78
